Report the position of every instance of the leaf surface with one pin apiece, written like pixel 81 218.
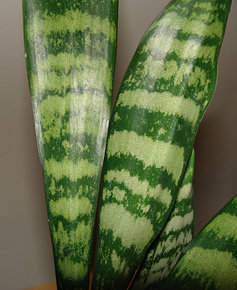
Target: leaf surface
pixel 160 103
pixel 210 260
pixel 175 236
pixel 70 54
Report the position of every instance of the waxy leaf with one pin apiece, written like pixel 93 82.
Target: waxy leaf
pixel 210 260
pixel 70 53
pixel 160 103
pixel 177 233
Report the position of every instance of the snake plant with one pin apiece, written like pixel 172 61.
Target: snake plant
pixel 143 218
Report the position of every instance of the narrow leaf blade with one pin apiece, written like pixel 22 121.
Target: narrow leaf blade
pixel 70 54
pixel 177 233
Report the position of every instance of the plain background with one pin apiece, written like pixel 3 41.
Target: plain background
pixel 25 251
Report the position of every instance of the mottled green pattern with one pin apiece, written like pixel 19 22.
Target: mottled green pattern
pixel 210 260
pixel 70 54
pixel 177 233
pixel 160 103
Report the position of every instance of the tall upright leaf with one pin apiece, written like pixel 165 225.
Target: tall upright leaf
pixel 160 103
pixel 70 53
pixel 210 260
pixel 175 236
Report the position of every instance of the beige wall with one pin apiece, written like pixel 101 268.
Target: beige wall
pixel 25 251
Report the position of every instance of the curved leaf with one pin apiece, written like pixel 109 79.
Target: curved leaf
pixel 161 101
pixel 177 233
pixel 210 260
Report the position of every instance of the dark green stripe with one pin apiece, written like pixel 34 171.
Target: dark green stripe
pixel 214 242
pixel 181 9
pixel 56 219
pixel 151 174
pixel 55 149
pixel 131 201
pixel 62 42
pixel 63 91
pixel 139 79
pixel 71 188
pixel 180 35
pixel 103 8
pixel 177 129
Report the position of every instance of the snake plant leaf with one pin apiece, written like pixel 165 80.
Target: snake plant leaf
pixel 210 260
pixel 160 103
pixel 70 54
pixel 177 233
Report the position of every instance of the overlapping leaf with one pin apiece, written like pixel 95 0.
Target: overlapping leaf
pixel 210 260
pixel 161 101
pixel 177 233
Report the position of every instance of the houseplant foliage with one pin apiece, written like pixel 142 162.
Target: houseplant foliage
pixel 146 196
pixel 210 260
pixel 160 103
pixel 70 48
pixel 176 234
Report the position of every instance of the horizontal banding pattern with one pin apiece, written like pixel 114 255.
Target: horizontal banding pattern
pixel 167 86
pixel 210 260
pixel 71 21
pixel 177 233
pixel 70 53
pixel 151 153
